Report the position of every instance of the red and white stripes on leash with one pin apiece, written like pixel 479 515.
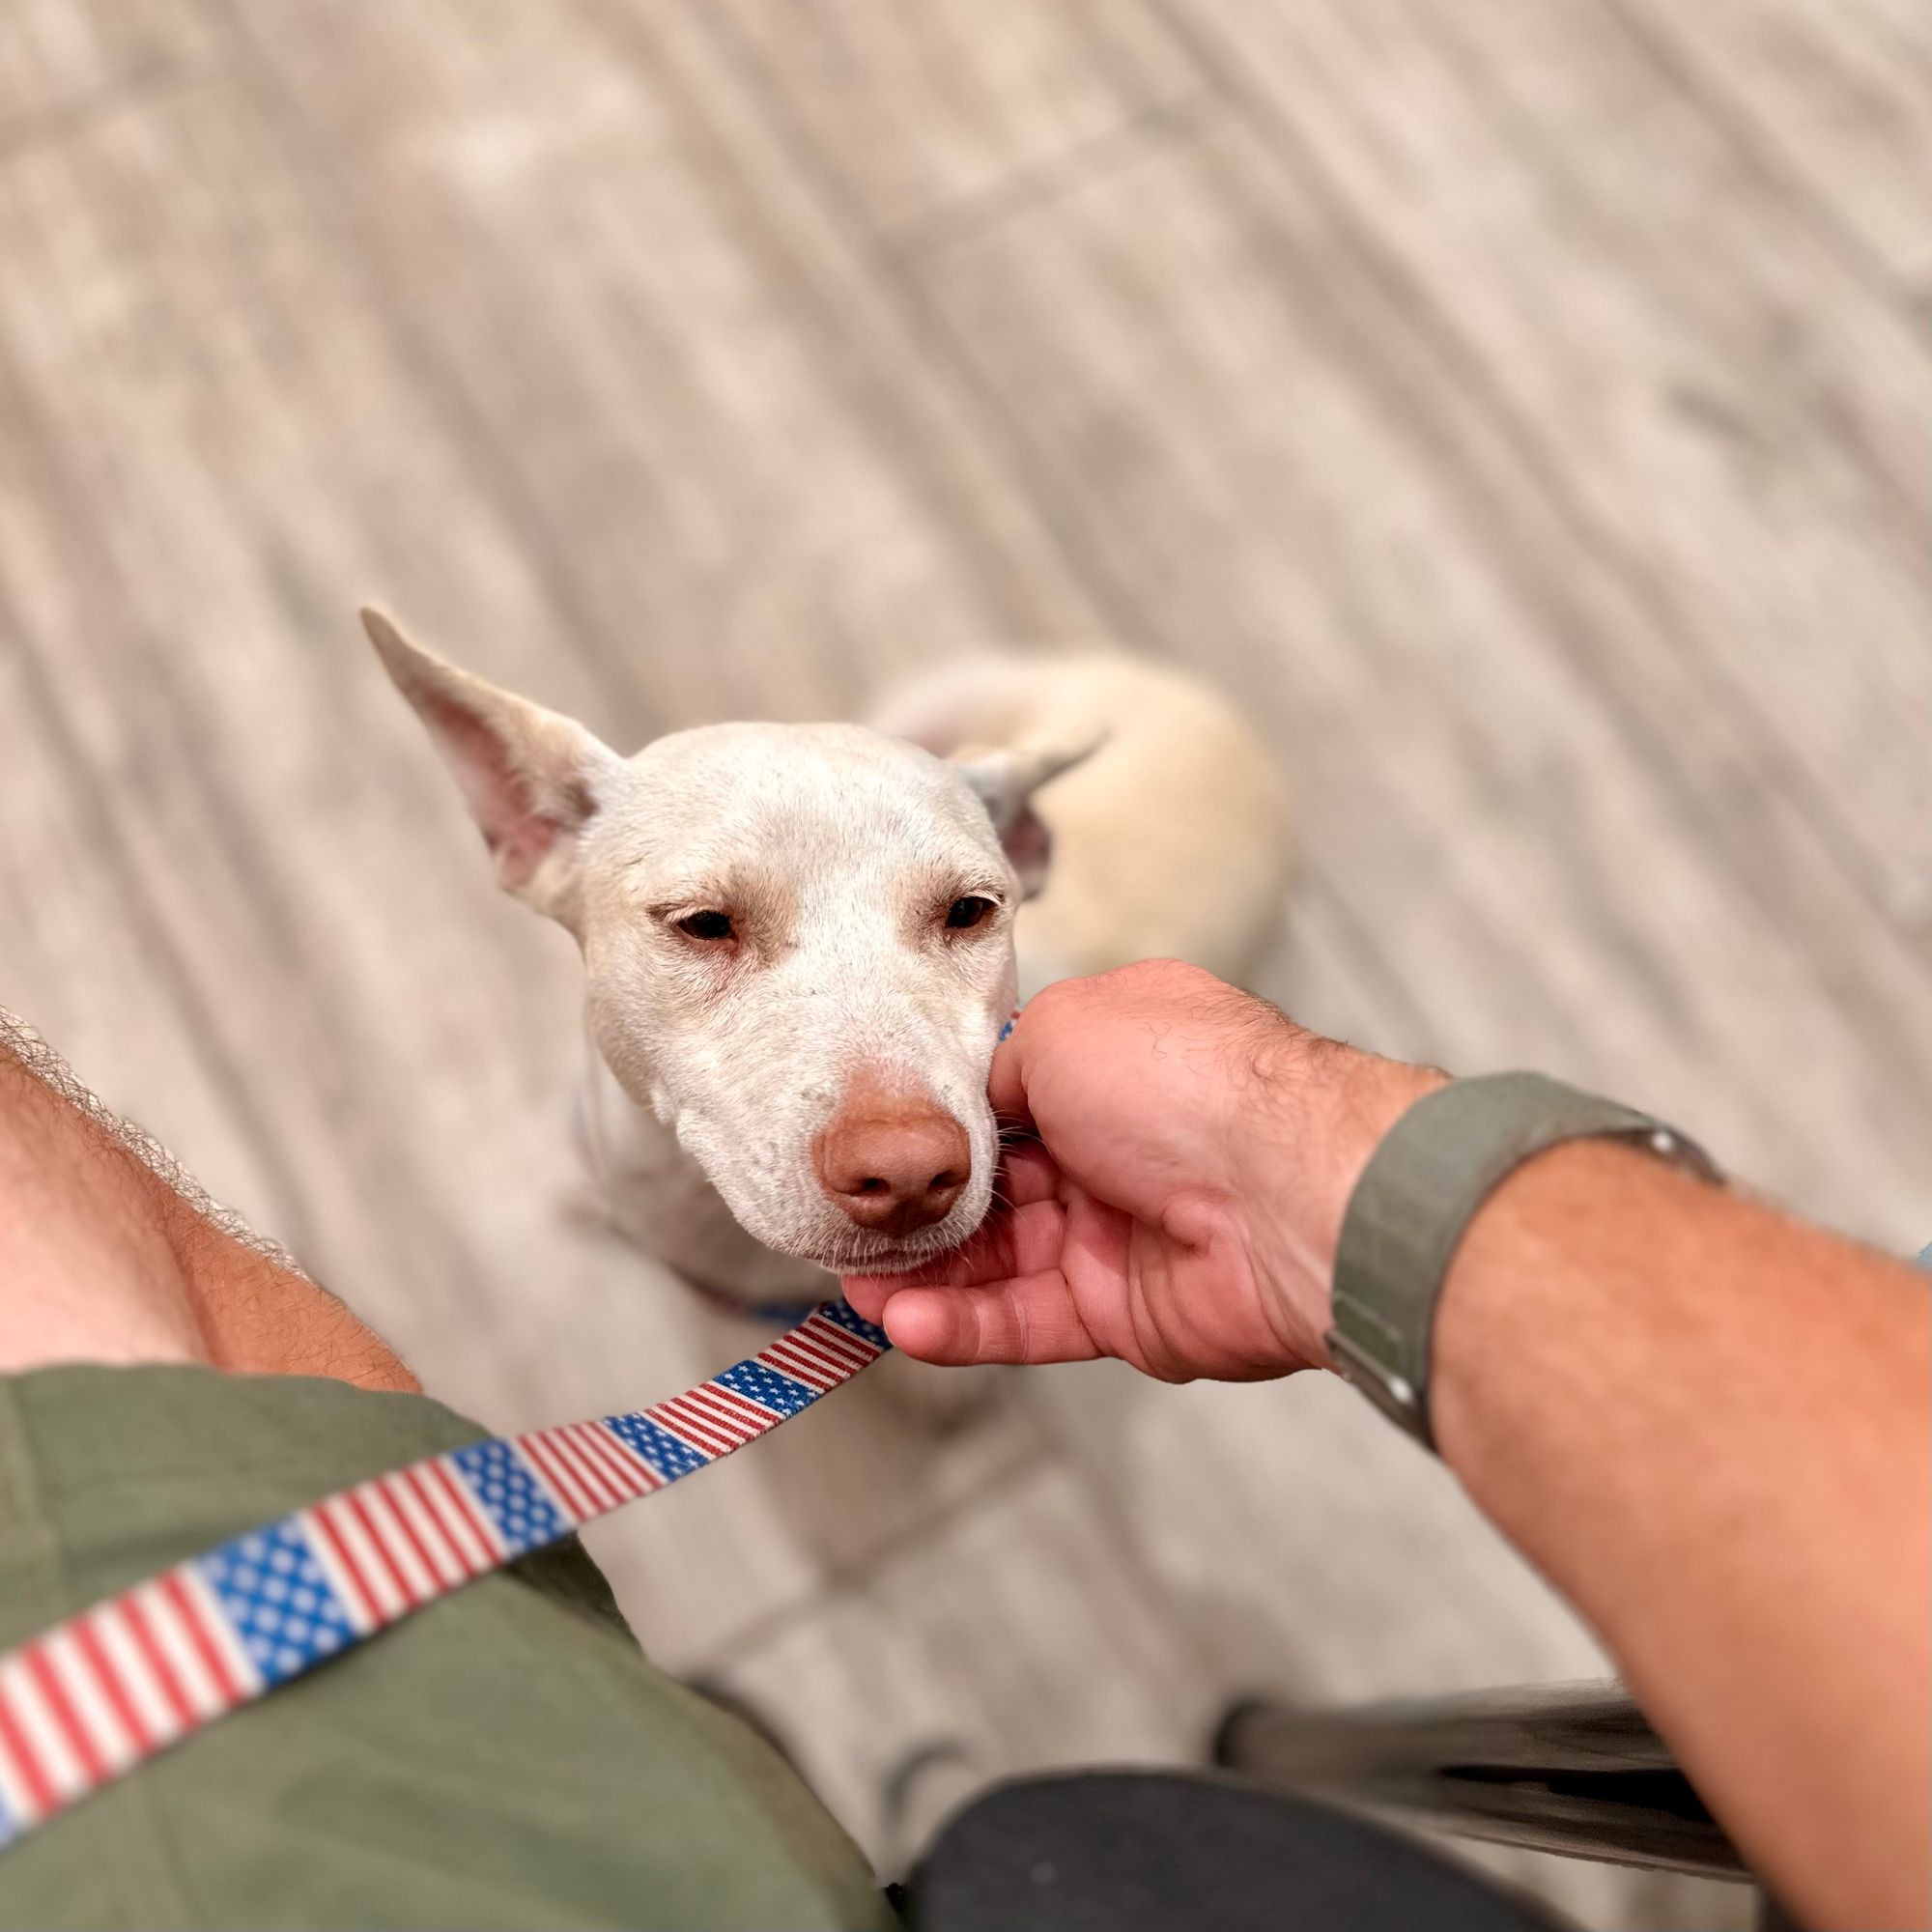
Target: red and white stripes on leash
pixel 84 1702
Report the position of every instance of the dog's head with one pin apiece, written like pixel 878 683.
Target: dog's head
pixel 798 940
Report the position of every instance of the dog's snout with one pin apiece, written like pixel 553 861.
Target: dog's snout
pixel 893 1163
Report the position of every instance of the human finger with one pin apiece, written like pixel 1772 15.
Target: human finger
pixel 1030 1318
pixel 1028 1173
pixel 1006 1079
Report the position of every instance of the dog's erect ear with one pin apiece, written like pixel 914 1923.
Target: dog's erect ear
pixel 1006 781
pixel 529 777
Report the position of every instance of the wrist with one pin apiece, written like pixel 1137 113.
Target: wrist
pixel 1318 1113
pixel 1414 1207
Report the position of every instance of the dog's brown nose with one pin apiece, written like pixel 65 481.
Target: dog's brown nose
pixel 894 1163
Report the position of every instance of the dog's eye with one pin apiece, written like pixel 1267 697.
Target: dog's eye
pixel 965 913
pixel 705 925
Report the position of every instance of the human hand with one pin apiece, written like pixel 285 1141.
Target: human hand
pixel 1176 1202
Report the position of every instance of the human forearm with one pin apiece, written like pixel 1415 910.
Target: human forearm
pixel 1707 1424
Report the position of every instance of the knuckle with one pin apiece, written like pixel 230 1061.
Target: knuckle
pixel 1051 998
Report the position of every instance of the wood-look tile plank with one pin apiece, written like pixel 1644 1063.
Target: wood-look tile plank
pixel 81 962
pixel 1723 410
pixel 1292 1569
pixel 63 59
pixel 935 113
pixel 1017 1637
pixel 1832 95
pixel 687 403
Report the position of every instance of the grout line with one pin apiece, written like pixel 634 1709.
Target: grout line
pixel 1143 135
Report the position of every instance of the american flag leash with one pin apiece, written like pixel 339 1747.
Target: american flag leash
pixel 90 1698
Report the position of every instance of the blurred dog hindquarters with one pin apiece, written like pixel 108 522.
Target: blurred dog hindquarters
pixel 1170 842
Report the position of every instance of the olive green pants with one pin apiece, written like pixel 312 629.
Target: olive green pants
pixel 507 1758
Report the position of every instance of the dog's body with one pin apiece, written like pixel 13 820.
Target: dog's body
pixel 799 940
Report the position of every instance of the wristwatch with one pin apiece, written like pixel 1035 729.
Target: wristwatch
pixel 1429 1174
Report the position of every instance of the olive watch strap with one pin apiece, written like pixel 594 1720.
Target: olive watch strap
pixel 1423 1184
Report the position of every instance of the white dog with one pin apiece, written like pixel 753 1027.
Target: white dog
pixel 799 939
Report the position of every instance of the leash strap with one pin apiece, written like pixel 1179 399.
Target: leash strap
pixel 86 1702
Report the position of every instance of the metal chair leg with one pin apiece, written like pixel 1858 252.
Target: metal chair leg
pixel 1573 1769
